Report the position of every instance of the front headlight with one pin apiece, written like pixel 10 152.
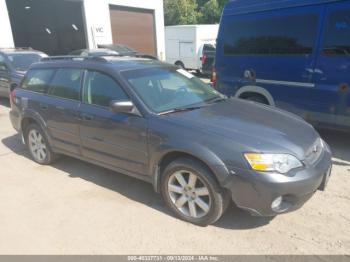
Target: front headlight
pixel 281 163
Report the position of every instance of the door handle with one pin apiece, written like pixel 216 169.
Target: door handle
pixel 44 106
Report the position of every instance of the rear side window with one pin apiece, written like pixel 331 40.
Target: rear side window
pixel 101 89
pixel 337 37
pixel 66 84
pixel 288 35
pixel 37 80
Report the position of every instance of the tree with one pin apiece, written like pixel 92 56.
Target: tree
pixel 211 12
pixel 193 11
pixel 180 12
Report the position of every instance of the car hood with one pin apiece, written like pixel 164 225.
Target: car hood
pixel 256 127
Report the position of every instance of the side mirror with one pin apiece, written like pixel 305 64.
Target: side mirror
pixel 122 106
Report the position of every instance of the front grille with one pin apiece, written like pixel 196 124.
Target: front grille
pixel 315 152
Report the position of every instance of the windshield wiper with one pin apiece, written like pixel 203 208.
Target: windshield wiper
pixel 180 109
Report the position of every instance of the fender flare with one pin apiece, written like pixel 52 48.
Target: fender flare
pixel 28 113
pixel 258 90
pixel 203 154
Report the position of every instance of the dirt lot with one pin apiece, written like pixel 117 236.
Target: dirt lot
pixel 77 208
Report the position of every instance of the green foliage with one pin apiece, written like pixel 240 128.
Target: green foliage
pixel 180 12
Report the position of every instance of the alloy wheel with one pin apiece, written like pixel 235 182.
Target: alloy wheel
pixel 37 145
pixel 189 194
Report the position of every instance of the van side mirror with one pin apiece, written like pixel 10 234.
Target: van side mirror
pixel 122 106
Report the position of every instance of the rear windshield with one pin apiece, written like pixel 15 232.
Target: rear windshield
pixel 209 48
pixel 22 61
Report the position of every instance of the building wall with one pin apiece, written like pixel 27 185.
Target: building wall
pixel 98 23
pixel 6 39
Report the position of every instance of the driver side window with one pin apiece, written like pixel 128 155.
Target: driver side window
pixel 100 89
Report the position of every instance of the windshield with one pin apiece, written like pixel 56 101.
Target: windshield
pixel 166 89
pixel 21 61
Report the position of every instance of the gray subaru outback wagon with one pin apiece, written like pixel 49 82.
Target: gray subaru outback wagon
pixel 159 123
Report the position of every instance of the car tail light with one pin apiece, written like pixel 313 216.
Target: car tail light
pixel 214 77
pixel 13 97
pixel 203 59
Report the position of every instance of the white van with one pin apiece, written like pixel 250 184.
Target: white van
pixel 186 45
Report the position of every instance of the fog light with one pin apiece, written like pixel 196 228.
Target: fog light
pixel 276 204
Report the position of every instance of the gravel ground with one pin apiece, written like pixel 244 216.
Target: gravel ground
pixel 76 208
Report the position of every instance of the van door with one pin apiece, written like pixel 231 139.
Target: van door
pixel 330 97
pixel 188 54
pixel 274 51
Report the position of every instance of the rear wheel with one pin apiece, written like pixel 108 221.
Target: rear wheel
pixel 192 193
pixel 180 64
pixel 38 146
pixel 256 98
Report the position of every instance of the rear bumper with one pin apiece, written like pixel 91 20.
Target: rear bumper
pixel 255 191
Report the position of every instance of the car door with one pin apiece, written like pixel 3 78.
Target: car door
pixel 4 77
pixel 331 95
pixel 61 109
pixel 118 140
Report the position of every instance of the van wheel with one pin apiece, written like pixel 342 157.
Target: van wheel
pixel 256 98
pixel 192 193
pixel 180 64
pixel 38 146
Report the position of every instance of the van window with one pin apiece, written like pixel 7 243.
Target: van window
pixel 66 84
pixel 337 37
pixel 289 35
pixel 100 89
pixel 37 80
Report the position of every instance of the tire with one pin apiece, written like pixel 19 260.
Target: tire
pixel 38 145
pixel 180 65
pixel 257 99
pixel 190 205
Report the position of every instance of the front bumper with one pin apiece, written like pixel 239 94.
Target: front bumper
pixel 255 191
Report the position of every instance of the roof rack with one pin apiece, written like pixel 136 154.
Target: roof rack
pixel 73 58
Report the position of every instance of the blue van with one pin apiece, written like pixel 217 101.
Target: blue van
pixel 293 54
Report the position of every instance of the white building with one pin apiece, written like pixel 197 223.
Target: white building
pixel 60 26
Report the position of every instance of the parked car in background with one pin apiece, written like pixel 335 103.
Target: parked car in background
pixel 191 47
pixel 14 62
pixel 158 123
pixel 291 54
pixel 93 52
pixel 124 50
pixel 208 59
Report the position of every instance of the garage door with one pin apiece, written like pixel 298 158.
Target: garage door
pixel 134 28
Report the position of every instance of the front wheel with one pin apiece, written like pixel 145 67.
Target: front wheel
pixel 192 193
